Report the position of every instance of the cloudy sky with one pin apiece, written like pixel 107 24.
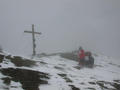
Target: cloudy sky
pixel 65 25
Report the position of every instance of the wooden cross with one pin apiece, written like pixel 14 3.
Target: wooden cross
pixel 33 38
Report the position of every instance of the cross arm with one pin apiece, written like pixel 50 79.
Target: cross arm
pixel 32 32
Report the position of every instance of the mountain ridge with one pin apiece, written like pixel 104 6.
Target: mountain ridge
pixel 61 72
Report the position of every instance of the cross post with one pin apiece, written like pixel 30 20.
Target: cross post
pixel 33 38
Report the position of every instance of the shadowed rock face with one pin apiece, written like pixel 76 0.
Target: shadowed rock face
pixel 116 85
pixel 73 87
pixel 18 61
pixel 64 76
pixel 1 58
pixel 29 79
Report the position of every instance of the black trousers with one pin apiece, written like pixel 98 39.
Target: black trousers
pixel 81 61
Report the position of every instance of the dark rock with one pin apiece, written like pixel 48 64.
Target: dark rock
pixel 59 68
pixel 102 84
pixel 78 67
pixel 43 62
pixel 116 85
pixel 13 86
pixel 8 57
pixel 118 81
pixel 6 80
pixel 73 87
pixel 29 79
pixel 1 58
pixel 82 83
pixel 19 61
pixel 64 76
pixel 92 83
pixel 91 88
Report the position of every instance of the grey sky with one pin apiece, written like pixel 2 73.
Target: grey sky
pixel 65 24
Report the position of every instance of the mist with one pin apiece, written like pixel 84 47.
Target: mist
pixel 65 25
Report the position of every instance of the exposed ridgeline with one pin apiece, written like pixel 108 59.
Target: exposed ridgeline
pixel 68 55
pixel 57 72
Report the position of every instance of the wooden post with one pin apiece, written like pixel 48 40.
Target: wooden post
pixel 33 38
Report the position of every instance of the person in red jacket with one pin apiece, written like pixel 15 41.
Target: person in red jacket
pixel 81 56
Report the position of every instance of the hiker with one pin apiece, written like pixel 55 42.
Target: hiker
pixel 81 56
pixel 89 60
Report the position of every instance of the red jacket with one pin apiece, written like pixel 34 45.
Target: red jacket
pixel 81 54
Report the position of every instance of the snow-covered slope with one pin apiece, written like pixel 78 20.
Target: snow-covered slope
pixel 60 74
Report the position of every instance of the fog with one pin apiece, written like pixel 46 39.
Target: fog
pixel 65 25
